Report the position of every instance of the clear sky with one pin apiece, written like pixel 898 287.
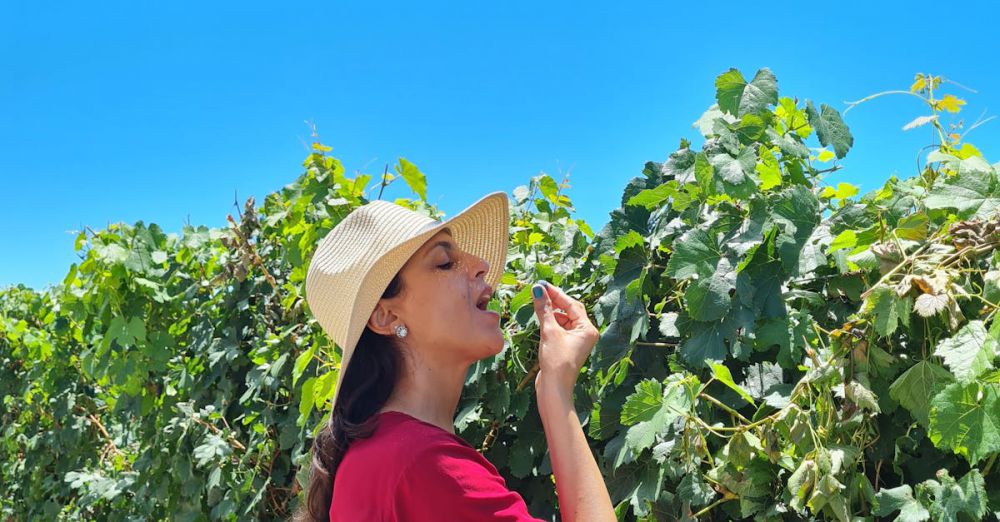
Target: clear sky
pixel 163 111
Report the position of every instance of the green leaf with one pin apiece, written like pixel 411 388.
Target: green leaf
pixel 654 197
pixel 737 97
pixel 644 403
pixel 729 90
pixel 738 174
pixel 913 227
pixel 912 389
pixel 413 177
pixel 307 400
pixel 759 93
pixel 968 353
pixel 964 496
pixel 830 128
pixel 301 362
pixel 723 375
pixel 972 192
pixel 794 119
pixel 862 396
pixel 965 418
pixel 695 490
pixel 768 170
pixel 704 174
pixel 796 211
pixel 708 298
pixel 696 253
pixel 708 342
pixel 648 419
pixel 631 239
pixel 212 448
pixel 889 310
pixel 668 325
pixel 846 239
pixel 888 500
pixel 800 483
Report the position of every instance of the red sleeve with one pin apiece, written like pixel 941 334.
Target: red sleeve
pixel 449 481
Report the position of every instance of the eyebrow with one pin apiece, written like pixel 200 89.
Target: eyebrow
pixel 447 246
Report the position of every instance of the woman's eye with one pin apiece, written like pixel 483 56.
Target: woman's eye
pixel 447 265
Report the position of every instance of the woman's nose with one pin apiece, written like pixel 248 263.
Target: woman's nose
pixel 479 265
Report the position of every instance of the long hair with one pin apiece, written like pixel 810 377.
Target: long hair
pixel 370 378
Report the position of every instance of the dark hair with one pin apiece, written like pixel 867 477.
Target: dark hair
pixel 368 383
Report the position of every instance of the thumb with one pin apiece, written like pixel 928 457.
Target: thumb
pixel 543 306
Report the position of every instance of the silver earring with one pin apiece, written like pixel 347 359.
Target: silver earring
pixel 401 331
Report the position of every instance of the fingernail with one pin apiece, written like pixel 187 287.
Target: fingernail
pixel 544 282
pixel 537 291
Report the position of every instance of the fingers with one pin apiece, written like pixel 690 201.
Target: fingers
pixel 573 308
pixel 562 319
pixel 543 306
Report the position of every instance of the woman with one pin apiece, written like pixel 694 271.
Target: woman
pixel 404 296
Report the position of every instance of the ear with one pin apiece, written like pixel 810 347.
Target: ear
pixel 382 319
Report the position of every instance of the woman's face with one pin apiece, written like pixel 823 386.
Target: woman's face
pixel 441 286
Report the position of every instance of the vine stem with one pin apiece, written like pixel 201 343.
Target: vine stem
pixel 658 345
pixel 215 429
pixel 490 437
pixel 107 437
pixel 253 252
pixel 852 104
pixel 989 465
pixel 726 497
pixel 527 377
pixel 907 260
pixel 716 402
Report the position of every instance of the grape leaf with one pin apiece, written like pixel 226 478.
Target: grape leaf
pixel 708 342
pixel 415 179
pixel 967 495
pixel 929 305
pixel 649 411
pixel 921 381
pixel 965 418
pixel 697 252
pixel 900 499
pixel 738 174
pixel 973 192
pixel 708 299
pixel 969 352
pixel 830 128
pixel 889 310
pixel 796 210
pixel 723 375
pixel 759 93
pixel 729 89
pixel 737 97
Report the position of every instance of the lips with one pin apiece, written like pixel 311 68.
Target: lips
pixel 484 298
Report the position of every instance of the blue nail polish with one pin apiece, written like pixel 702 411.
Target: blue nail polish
pixel 536 290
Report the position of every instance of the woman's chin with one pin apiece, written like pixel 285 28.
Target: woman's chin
pixel 493 347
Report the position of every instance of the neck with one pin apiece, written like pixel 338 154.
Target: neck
pixel 429 392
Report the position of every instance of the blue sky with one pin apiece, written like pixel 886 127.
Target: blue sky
pixel 121 111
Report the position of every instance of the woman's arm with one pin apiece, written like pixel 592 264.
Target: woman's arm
pixel 583 496
pixel 566 340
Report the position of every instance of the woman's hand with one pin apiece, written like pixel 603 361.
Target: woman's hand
pixel 566 336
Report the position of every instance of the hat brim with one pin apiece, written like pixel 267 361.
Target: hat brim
pixel 482 229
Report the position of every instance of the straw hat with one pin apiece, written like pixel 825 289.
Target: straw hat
pixel 357 260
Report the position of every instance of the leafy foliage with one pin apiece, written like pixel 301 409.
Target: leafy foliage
pixel 773 347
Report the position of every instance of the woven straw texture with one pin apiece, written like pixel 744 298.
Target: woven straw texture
pixel 357 259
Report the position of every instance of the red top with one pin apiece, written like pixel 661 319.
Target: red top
pixel 413 471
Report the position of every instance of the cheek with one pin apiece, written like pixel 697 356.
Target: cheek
pixel 447 299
